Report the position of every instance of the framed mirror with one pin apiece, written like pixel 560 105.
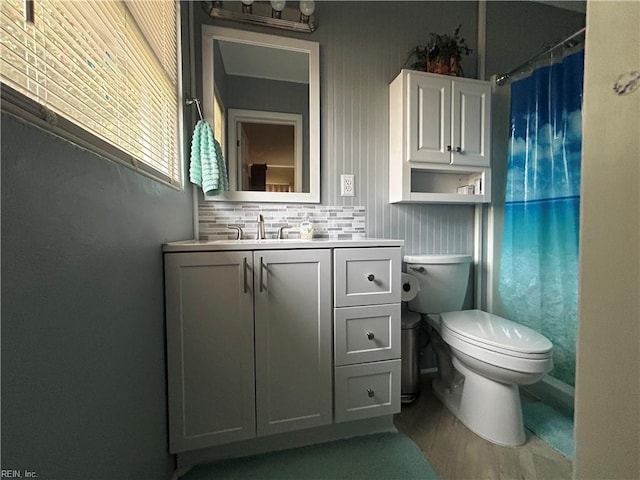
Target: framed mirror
pixel 261 94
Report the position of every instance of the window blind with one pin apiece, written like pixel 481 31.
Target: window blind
pixel 110 67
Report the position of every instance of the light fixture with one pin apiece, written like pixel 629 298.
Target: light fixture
pixel 307 7
pixel 276 8
pixel 247 6
pixel 268 14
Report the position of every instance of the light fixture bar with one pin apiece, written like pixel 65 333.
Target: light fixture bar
pixel 260 20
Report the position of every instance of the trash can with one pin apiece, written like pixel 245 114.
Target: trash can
pixel 410 366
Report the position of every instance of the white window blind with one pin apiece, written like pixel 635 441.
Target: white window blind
pixel 110 67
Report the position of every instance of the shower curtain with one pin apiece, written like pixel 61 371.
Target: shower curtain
pixel 538 282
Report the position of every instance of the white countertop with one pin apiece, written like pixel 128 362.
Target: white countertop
pixel 270 244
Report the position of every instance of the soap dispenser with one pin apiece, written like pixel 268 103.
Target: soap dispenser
pixel 306 227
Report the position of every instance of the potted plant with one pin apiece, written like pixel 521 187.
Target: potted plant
pixel 441 54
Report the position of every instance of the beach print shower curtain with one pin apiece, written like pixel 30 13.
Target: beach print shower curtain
pixel 538 283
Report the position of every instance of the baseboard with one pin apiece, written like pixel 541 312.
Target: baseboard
pixel 553 392
pixel 327 433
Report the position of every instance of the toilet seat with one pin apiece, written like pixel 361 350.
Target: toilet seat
pixel 490 345
pixel 496 334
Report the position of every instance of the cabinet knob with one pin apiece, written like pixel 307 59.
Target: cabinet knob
pixel 370 335
pixel 458 149
pixel 448 148
pixel 370 392
pixel 371 277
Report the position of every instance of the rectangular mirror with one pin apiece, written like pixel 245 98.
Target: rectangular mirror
pixel 261 94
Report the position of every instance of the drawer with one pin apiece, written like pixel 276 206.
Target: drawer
pixel 366 276
pixel 366 334
pixel 367 390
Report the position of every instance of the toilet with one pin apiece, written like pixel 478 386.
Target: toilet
pixel 481 357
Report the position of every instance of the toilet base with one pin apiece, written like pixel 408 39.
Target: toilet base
pixel 490 409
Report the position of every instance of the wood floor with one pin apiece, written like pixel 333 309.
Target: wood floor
pixel 456 453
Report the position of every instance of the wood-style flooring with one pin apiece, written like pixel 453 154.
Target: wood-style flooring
pixel 455 452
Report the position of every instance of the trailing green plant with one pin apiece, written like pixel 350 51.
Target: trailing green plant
pixel 439 48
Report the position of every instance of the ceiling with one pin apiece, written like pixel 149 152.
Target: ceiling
pixel 258 61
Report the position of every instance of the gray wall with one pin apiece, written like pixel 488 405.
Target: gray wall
pixel 83 362
pixel 517 31
pixel 83 347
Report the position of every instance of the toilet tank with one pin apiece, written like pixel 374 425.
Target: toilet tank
pixel 443 279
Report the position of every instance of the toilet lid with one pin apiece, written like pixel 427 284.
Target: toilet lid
pixel 495 332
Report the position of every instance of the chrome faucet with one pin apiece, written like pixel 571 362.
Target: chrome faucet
pixel 260 235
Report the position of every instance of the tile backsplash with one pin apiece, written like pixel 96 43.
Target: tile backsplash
pixel 335 222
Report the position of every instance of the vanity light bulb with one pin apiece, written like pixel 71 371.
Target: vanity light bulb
pixel 307 7
pixel 277 6
pixel 246 6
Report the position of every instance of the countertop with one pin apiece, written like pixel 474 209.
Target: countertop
pixel 270 244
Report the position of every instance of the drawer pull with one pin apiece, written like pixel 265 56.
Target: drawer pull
pixel 371 277
pixel 370 392
pixel 370 335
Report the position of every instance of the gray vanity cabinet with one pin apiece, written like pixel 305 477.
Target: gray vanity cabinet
pixel 210 352
pixel 293 339
pixel 367 332
pixel 249 344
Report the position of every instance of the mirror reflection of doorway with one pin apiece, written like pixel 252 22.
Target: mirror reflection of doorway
pixel 268 150
pixel 267 156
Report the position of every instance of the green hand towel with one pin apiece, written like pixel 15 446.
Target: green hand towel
pixel 207 167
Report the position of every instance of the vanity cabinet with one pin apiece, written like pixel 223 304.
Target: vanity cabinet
pixel 248 344
pixel 366 332
pixel 439 144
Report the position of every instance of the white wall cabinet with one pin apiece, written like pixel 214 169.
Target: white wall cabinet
pixel 233 374
pixel 439 138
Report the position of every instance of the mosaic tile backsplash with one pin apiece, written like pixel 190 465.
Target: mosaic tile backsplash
pixel 338 222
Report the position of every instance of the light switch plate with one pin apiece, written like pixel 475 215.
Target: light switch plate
pixel 347 186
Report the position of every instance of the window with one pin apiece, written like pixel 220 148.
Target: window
pixel 108 67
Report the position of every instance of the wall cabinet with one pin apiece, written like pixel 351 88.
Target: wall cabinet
pixel 249 351
pixel 439 139
pixel 366 332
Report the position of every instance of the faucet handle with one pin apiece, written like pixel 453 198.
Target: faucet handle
pixel 238 229
pixel 281 231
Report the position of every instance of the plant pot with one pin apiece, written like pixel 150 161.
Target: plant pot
pixel 444 66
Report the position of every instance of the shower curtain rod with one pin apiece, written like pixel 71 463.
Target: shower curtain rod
pixel 502 79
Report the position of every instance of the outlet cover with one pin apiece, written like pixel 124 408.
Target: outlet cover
pixel 347 186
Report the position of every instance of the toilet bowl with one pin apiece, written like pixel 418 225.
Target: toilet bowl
pixel 481 357
pixel 492 356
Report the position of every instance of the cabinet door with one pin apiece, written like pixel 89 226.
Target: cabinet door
pixel 471 120
pixel 293 339
pixel 429 119
pixel 209 313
